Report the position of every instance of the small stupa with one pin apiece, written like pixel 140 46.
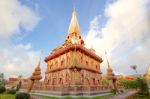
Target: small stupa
pixel 36 76
pixel 111 76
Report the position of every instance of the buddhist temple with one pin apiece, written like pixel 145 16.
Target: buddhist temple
pixel 71 67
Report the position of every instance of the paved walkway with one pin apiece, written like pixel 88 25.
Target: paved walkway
pixel 124 95
pixel 36 97
pixel 72 96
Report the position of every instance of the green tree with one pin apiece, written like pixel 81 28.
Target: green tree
pixel 141 82
pixel 142 86
pixel 2 80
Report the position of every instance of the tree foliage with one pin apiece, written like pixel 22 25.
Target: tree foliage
pixel 139 83
pixel 143 86
pixel 2 89
pixel 2 80
pixel 129 84
pixel 22 95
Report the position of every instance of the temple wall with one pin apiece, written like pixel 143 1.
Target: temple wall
pixel 74 77
pixel 68 76
pixel 73 58
pixel 80 59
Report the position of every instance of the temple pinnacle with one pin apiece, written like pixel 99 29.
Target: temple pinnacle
pixel 74 26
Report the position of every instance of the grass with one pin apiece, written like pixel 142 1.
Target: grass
pixel 97 97
pixel 7 96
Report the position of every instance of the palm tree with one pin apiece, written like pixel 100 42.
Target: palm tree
pixel 134 67
pixel 2 80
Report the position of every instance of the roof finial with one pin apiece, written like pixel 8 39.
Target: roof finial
pixel 74 9
pixel 40 55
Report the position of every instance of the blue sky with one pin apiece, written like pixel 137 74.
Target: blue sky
pixel 55 18
pixel 118 27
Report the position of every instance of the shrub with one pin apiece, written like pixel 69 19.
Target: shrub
pixel 143 86
pixel 22 95
pixel 11 91
pixel 129 84
pixel 114 91
pixel 138 83
pixel 2 89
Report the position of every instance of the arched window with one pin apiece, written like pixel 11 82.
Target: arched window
pixel 82 78
pixel 94 82
pixel 86 62
pixel 60 81
pixel 98 81
pixel 81 58
pixel 53 81
pixel 56 63
pixel 48 81
pixel 62 63
pixel 88 82
pixel 67 58
pixel 97 67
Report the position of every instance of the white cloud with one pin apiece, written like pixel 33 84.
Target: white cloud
pixel 123 36
pixel 18 59
pixel 11 68
pixel 15 15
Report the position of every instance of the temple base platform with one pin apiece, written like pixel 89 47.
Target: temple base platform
pixel 75 90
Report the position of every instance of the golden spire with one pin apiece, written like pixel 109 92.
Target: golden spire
pixel 74 26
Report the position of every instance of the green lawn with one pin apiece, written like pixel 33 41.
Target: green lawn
pixel 97 97
pixel 7 96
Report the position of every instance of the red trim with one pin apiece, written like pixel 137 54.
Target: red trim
pixel 71 48
pixel 59 69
